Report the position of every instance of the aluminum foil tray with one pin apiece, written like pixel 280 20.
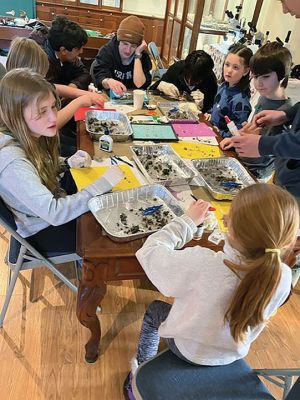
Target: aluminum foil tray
pixel 95 124
pixel 189 117
pixel 121 213
pixel 215 171
pixel 161 164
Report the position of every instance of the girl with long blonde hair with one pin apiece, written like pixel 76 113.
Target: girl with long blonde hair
pixel 26 53
pixel 223 300
pixel 30 165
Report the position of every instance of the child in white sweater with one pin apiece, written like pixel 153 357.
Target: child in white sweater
pixel 222 300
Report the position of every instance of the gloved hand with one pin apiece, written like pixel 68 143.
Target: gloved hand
pixel 198 97
pixel 80 159
pixel 113 175
pixel 169 89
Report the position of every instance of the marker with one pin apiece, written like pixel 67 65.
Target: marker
pixel 231 126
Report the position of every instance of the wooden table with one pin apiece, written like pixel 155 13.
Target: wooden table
pixel 103 261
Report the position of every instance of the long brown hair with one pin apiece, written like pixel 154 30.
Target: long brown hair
pixel 26 53
pixel 262 216
pixel 19 88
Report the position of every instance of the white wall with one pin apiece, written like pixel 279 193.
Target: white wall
pixel 155 8
pixel 272 19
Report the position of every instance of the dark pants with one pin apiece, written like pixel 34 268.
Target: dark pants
pixel 58 239
pixel 55 239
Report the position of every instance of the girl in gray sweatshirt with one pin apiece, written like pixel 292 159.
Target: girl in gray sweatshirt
pixel 30 165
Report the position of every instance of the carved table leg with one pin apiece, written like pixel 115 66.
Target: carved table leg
pixel 91 292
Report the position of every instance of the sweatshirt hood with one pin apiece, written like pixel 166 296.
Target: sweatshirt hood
pixel 9 150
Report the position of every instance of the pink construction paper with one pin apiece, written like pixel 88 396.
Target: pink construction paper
pixel 192 130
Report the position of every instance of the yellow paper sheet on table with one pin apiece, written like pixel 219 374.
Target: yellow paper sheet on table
pixel 222 208
pixel 85 176
pixel 195 150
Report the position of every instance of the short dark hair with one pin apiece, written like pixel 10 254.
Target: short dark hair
pixel 198 65
pixel 66 33
pixel 272 57
pixel 245 53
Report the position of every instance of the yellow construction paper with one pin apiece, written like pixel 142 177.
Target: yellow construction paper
pixel 222 208
pixel 85 176
pixel 194 150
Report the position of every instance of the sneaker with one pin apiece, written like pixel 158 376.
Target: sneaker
pixel 127 388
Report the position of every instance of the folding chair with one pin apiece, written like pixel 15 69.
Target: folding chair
pixel 159 65
pixel 92 73
pixel 168 377
pixel 22 256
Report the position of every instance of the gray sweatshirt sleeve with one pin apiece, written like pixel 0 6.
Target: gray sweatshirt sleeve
pixel 25 186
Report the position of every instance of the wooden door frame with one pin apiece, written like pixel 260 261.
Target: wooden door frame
pixel 196 26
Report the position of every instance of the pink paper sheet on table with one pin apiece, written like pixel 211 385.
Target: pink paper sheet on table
pixel 192 130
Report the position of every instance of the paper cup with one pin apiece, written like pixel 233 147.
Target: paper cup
pixel 138 98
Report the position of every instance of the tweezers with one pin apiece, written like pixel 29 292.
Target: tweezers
pixel 122 160
pixel 151 210
pixel 113 160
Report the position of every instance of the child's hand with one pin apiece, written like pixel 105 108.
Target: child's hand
pixel 270 117
pixel 198 97
pixel 141 48
pixel 97 99
pixel 169 89
pixel 197 211
pixel 207 117
pixel 116 86
pixel 81 159
pixel 250 128
pixel 91 99
pixel 226 144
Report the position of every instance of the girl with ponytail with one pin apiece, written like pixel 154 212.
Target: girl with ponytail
pixel 223 300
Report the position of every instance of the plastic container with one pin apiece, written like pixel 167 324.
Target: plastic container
pixel 106 143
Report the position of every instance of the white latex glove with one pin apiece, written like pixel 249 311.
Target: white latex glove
pixel 80 159
pixel 198 97
pixel 169 89
pixel 92 88
pixel 113 175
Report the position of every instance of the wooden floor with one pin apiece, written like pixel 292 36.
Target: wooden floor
pixel 41 344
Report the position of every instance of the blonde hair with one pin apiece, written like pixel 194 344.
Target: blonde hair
pixel 26 53
pixel 18 89
pixel 262 216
